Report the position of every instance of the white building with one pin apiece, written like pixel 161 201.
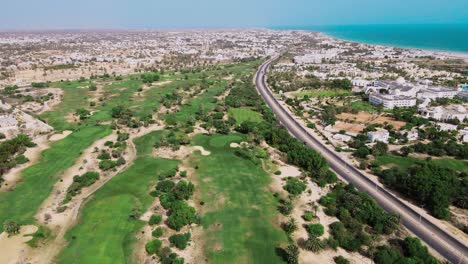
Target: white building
pixel 381 135
pixel 435 92
pixel 390 101
pixel 445 113
pixel 360 82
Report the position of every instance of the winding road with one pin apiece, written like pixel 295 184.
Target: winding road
pixel 441 241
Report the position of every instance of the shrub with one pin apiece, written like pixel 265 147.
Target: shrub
pixel 165 186
pixel 180 241
pixel 294 186
pixel 315 230
pixel 308 216
pixel 157 232
pixel 181 214
pixel 340 260
pixel 155 219
pixel 153 246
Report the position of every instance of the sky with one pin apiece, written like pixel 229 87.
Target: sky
pixel 104 14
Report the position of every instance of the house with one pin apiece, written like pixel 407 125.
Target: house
pixel 445 113
pixel 463 95
pixel 381 135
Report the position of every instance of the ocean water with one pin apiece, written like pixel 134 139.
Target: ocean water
pixel 447 37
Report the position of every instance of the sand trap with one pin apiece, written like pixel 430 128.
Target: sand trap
pixel 234 145
pixel 202 150
pixel 289 170
pixel 13 249
pixel 56 137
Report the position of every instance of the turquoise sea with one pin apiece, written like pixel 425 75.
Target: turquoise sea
pixel 447 37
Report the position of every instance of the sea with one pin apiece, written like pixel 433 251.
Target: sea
pixel 440 37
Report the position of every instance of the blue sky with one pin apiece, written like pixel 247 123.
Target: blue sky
pixel 58 14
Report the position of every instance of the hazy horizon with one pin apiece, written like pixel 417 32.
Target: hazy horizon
pixel 211 14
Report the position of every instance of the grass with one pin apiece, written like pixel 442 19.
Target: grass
pixel 105 231
pixel 239 223
pixel 38 180
pixel 364 106
pixel 327 93
pixel 405 162
pixel 244 114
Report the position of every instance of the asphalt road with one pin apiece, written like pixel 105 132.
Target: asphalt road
pixel 441 241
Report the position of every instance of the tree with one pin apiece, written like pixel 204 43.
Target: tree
pixel 155 219
pixel 11 227
pixel 361 152
pixel 380 149
pixel 153 246
pixel 290 226
pixel 183 190
pixel 291 254
pixel 313 244
pixel 180 241
pixel 181 214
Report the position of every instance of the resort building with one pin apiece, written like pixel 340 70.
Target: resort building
pixel 435 92
pixel 390 101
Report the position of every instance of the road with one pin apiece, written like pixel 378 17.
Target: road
pixel 444 243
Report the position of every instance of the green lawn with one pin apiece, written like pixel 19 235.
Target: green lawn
pixel 327 93
pixel 244 114
pixel 105 232
pixel 239 223
pixel 405 162
pixel 364 106
pixel 38 180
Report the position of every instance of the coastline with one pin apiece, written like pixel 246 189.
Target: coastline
pixel 446 53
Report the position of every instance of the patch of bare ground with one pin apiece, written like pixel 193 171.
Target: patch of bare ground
pixel 33 154
pixel 59 136
pixel 14 248
pixel 180 154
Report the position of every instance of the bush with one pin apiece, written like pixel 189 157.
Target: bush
pixel 153 246
pixel 308 216
pixel 165 186
pixel 180 241
pixel 157 232
pixel 155 219
pixel 181 214
pixel 183 190
pixel 340 260
pixel 294 186
pixel 315 230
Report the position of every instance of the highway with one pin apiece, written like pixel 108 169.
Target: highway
pixel 438 239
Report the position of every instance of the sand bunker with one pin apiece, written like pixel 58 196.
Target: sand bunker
pixel 202 150
pixel 289 170
pixel 13 249
pixel 57 137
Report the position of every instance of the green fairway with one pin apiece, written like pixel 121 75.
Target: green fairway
pixel 106 232
pixel 328 93
pixel 37 180
pixel 405 162
pixel 239 223
pixel 244 114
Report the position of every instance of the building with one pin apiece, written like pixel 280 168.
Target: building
pixel 381 135
pixel 463 95
pixel 445 113
pixel 435 92
pixel 360 82
pixel 390 101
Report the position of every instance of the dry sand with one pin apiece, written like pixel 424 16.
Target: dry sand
pixel 14 249
pixel 59 136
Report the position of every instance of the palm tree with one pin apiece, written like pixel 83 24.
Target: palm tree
pixel 313 244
